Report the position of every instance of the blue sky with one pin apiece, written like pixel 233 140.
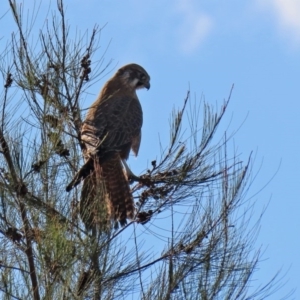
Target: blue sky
pixel 208 46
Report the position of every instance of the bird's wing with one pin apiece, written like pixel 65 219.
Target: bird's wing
pixel 115 122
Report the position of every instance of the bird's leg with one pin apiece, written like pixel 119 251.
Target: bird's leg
pixel 129 173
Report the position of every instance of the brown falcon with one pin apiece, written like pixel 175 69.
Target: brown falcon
pixel 111 129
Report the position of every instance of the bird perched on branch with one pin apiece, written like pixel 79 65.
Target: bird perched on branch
pixel 111 129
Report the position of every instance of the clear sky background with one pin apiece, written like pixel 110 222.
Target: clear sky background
pixel 208 46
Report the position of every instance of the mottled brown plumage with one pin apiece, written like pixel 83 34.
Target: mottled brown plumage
pixel 111 129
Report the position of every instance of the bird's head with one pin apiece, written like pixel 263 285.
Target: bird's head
pixel 135 76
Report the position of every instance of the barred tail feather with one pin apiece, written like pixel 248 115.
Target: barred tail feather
pixel 106 194
pixel 118 190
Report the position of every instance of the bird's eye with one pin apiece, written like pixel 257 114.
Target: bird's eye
pixel 142 77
